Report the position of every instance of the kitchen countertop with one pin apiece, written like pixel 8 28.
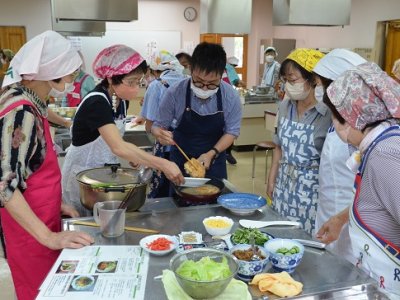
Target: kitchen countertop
pixel 321 272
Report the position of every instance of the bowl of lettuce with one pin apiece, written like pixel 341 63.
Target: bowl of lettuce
pixel 203 273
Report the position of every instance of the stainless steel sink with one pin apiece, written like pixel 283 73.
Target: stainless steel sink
pixel 140 139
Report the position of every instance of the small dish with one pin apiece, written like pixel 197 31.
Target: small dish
pixel 242 203
pixel 218 225
pixel 193 182
pixel 288 261
pixel 246 240
pixel 146 241
pixel 106 266
pixel 83 283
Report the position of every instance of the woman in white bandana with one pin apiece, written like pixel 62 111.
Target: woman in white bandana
pixel 30 187
pixel 336 180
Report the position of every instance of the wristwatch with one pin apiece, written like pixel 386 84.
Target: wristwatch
pixel 216 152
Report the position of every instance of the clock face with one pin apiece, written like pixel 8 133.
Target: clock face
pixel 190 13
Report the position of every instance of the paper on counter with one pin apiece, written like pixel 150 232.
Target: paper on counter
pixel 97 272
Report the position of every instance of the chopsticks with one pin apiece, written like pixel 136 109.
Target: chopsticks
pixel 184 154
pixel 127 228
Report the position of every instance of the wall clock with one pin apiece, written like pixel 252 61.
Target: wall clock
pixel 190 14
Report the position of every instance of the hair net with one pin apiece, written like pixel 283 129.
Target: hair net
pixel 163 60
pixel 116 60
pixel 333 64
pixel 364 95
pixel 233 60
pixel 46 57
pixel 271 49
pixel 306 58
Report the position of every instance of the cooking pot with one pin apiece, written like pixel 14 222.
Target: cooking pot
pixel 186 199
pixel 112 183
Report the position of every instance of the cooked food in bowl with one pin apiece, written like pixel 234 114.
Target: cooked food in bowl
pixel 247 254
pixel 203 190
pixel 194 168
pixel 106 266
pixel 82 283
pixel 218 225
pixel 242 236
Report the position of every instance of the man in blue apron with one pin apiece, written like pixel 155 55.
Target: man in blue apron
pixel 207 111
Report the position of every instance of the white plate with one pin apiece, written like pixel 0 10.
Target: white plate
pixel 88 284
pixel 148 239
pixel 194 182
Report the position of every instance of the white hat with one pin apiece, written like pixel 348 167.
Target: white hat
pixel 233 60
pixel 163 60
pixel 336 62
pixel 270 48
pixel 46 57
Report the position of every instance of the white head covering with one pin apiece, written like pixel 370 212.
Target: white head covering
pixel 46 57
pixel 164 60
pixel 270 48
pixel 233 60
pixel 336 62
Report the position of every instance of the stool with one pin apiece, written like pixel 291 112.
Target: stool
pixel 267 145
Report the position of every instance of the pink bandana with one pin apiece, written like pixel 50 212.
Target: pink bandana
pixel 365 94
pixel 116 60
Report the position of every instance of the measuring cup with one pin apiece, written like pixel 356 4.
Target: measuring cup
pixel 110 218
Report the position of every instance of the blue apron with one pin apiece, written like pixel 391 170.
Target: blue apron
pixel 296 186
pixel 197 134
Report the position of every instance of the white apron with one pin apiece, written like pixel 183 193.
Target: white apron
pixel 79 158
pixel 336 190
pixel 378 257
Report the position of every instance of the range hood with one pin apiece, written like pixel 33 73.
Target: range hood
pixel 311 12
pixel 225 16
pixel 88 17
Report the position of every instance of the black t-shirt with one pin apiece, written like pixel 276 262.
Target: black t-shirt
pixel 93 113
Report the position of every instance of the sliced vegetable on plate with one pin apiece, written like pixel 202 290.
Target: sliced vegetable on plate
pixel 242 236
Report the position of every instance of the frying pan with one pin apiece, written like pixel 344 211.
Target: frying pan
pixel 186 199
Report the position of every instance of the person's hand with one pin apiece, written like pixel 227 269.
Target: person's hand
pixel 270 189
pixel 139 120
pixel 173 173
pixel 68 239
pixel 165 137
pixel 330 231
pixel 206 160
pixel 134 165
pixel 67 123
pixel 68 210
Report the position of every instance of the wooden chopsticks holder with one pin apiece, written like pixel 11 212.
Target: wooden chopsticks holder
pixel 127 228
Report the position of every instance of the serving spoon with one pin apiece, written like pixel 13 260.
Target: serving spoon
pixel 262 224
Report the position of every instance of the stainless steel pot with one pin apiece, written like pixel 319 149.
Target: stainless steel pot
pixel 111 183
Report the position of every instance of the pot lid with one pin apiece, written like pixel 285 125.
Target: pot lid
pixel 113 176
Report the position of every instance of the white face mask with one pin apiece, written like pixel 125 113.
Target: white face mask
pixel 3 61
pixel 202 94
pixel 269 58
pixel 319 93
pixel 68 88
pixel 296 91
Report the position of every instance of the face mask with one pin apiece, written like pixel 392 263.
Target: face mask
pixel 269 58
pixel 296 91
pixel 68 88
pixel 319 93
pixel 3 61
pixel 202 94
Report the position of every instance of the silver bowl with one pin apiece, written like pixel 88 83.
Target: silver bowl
pixel 203 289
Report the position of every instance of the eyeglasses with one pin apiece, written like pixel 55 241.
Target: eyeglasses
pixel 200 85
pixel 133 83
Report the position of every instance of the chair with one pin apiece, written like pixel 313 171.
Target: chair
pixel 267 145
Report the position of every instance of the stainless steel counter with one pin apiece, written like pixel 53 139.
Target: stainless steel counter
pixel 323 274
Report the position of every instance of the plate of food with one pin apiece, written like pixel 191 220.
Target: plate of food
pixel 83 283
pixel 205 193
pixel 242 203
pixel 106 266
pixel 159 244
pixel 242 236
pixel 68 266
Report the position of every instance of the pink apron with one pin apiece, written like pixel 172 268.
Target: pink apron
pixel 29 260
pixel 376 256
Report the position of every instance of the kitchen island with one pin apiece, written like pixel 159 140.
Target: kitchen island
pixel 324 275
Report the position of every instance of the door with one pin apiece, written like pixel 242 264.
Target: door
pixel 11 37
pixel 392 45
pixel 234 45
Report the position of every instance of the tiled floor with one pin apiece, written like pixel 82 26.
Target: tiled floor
pixel 240 175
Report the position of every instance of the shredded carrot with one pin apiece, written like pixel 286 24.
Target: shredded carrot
pixel 160 244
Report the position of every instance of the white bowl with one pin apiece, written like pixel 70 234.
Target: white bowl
pixel 194 182
pixel 281 262
pixel 218 230
pixel 148 239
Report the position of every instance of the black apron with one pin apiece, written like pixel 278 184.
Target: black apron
pixel 198 134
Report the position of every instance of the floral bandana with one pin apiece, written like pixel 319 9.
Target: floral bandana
pixel 116 60
pixel 365 94
pixel 163 60
pixel 307 58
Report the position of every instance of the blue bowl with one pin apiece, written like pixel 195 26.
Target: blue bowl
pixel 281 262
pixel 241 203
pixel 248 269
